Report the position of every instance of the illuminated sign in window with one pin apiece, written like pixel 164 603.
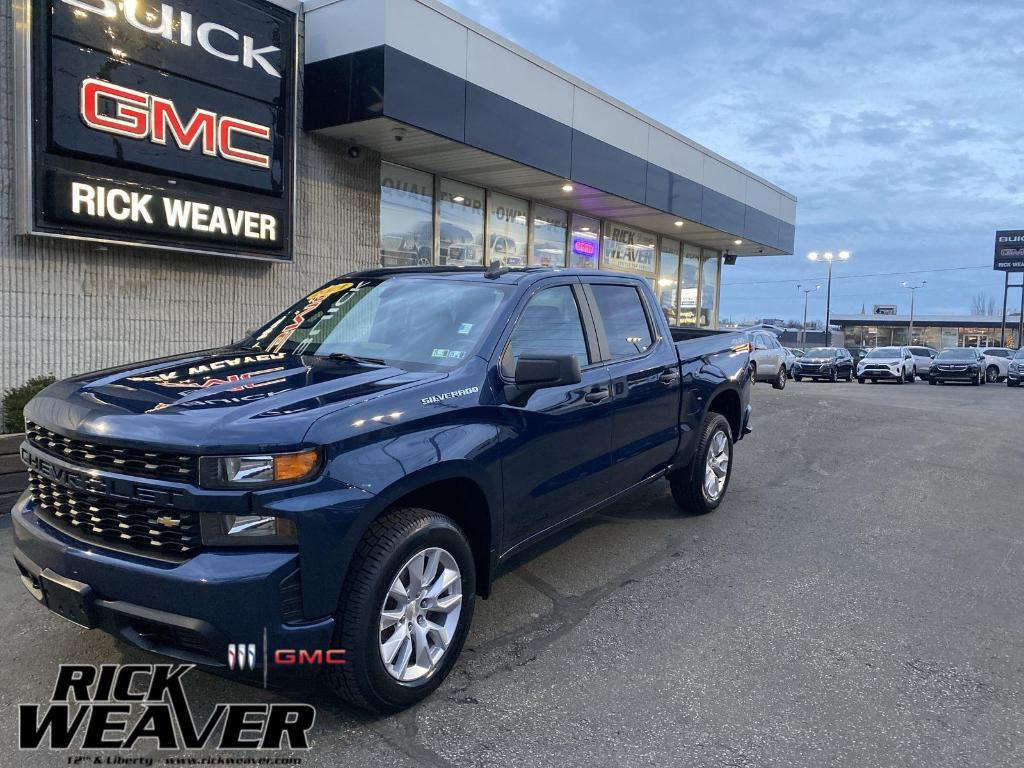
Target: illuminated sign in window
pixel 584 247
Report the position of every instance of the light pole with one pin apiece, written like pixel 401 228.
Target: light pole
pixel 807 293
pixel 829 257
pixel 913 295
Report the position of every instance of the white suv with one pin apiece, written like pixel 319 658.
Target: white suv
pixel 997 363
pixel 892 363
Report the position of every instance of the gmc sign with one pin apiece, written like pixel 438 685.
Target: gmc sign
pixel 160 124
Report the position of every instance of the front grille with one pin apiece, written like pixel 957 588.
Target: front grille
pixel 130 461
pixel 120 524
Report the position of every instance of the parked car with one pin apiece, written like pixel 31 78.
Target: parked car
pixel 997 363
pixel 768 358
pixel 887 364
pixel 825 363
pixel 791 355
pixel 963 364
pixel 354 473
pixel 923 357
pixel 857 353
pixel 1015 371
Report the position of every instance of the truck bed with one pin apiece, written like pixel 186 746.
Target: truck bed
pixel 702 342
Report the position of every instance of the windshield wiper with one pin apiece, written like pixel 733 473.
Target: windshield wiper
pixel 347 358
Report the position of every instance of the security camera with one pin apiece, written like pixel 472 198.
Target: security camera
pixel 399 134
pixel 354 152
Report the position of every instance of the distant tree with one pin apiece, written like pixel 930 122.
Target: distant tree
pixel 982 305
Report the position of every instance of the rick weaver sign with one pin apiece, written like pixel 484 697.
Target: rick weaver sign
pixel 167 125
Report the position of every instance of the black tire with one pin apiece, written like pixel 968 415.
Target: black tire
pixel 1012 383
pixel 780 380
pixel 798 377
pixel 753 374
pixel 933 382
pixel 912 376
pixel 688 484
pixel 388 545
pixel 861 379
pixel 978 379
pixel 992 374
pixel 833 376
pixel 849 376
pixel 902 378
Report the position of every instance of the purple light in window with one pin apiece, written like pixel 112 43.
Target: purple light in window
pixel 584 247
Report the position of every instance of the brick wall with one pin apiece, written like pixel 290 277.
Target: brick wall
pixel 69 307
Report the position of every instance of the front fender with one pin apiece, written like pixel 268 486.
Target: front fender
pixel 391 468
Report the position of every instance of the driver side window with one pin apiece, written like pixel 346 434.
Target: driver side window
pixel 549 325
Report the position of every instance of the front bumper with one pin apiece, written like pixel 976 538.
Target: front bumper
pixel 1015 376
pixel 965 376
pixel 879 373
pixel 817 372
pixel 187 611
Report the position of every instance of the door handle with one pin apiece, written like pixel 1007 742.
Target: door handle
pixel 597 395
pixel 668 378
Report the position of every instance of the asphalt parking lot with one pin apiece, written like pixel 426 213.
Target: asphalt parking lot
pixel 857 600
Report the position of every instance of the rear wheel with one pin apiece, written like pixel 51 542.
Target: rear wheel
pixel 699 488
pixel 405 610
pixel 780 380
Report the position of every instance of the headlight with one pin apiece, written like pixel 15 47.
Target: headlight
pixel 257 471
pixel 247 530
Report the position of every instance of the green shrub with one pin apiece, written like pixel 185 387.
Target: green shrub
pixel 17 398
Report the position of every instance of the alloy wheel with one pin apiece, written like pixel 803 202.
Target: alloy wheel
pixel 420 615
pixel 716 470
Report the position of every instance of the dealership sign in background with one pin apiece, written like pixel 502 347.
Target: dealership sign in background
pixel 1010 250
pixel 168 125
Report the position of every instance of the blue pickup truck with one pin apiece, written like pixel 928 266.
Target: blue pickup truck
pixel 351 476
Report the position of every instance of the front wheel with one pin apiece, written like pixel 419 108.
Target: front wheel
pixel 861 379
pixel 699 488
pixel 992 374
pixel 405 610
pixel 833 376
pixel 798 377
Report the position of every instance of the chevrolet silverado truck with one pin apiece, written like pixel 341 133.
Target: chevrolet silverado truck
pixel 352 475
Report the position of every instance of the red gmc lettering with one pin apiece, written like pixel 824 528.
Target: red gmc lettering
pixel 291 658
pixel 142 116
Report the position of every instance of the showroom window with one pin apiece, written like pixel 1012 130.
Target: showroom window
pixel 508 229
pixel 689 277
pixel 406 216
pixel 549 229
pixel 709 289
pixel 668 279
pixel 625 322
pixel 461 221
pixel 585 243
pixel 629 250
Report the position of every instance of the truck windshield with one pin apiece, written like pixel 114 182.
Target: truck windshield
pixel 409 322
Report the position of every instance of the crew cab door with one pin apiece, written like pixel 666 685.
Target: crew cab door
pixel 557 462
pixel 645 378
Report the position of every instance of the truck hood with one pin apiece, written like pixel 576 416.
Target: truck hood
pixel 216 400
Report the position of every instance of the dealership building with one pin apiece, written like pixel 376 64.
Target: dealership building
pixel 935 331
pixel 176 173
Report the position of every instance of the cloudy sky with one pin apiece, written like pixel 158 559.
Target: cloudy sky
pixel 899 125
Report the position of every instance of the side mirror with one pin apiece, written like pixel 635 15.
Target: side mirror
pixel 538 371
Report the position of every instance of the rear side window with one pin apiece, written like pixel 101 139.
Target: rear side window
pixel 625 322
pixel 549 325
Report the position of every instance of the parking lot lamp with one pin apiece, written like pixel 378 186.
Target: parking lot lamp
pixel 913 294
pixel 807 293
pixel 829 257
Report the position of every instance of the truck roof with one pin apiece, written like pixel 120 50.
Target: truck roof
pixel 507 275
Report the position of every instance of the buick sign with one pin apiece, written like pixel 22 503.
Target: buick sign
pixel 1010 250
pixel 161 124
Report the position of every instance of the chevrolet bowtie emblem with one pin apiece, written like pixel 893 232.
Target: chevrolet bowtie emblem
pixel 168 522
